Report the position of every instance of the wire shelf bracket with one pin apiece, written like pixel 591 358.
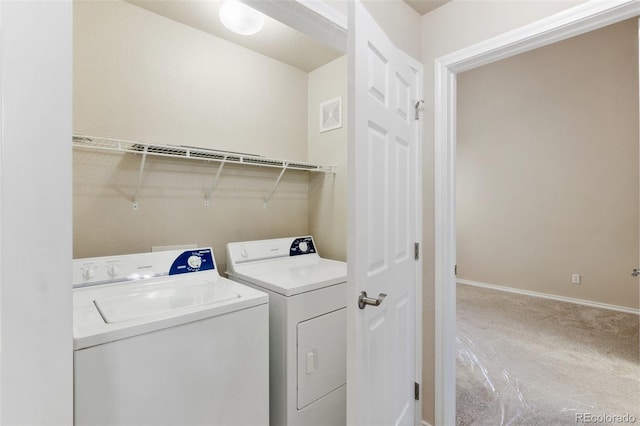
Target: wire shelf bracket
pixel 214 184
pixel 275 185
pixel 142 161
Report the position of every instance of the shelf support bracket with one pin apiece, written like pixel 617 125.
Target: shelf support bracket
pixel 214 184
pixel 144 158
pixel 268 197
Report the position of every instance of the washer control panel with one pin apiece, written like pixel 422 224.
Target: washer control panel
pixel 192 261
pixel 129 267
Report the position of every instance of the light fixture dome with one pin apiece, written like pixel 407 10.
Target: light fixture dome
pixel 240 18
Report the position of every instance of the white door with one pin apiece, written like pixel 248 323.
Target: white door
pixel 384 159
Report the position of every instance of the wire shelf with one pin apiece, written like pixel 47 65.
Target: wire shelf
pixel 185 152
pixel 193 153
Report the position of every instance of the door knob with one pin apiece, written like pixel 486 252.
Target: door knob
pixel 635 272
pixel 363 300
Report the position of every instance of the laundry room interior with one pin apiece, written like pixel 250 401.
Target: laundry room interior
pixel 140 76
pixel 184 140
pixel 138 143
pixel 156 73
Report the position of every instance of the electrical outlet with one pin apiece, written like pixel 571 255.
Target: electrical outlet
pixel 575 278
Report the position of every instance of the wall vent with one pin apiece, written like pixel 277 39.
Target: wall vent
pixel 331 114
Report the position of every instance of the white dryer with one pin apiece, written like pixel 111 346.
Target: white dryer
pixel 163 339
pixel 307 327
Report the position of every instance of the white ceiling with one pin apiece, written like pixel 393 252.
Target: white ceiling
pixel 275 40
pixel 425 6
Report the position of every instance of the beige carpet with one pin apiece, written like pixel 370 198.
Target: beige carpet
pixel 529 361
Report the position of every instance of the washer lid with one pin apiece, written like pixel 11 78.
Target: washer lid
pixel 293 275
pixel 160 299
pixel 108 312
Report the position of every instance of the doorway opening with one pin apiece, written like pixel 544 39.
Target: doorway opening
pixel 578 20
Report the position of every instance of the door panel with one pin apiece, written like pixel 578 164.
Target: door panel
pixel 404 343
pixel 402 204
pixel 376 184
pixel 377 359
pixel 377 74
pixel 403 98
pixel 383 161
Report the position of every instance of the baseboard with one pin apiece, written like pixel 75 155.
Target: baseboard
pixel 424 423
pixel 552 297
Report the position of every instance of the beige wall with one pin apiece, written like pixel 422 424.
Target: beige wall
pixel 547 171
pixel 140 76
pixel 456 25
pixel 400 22
pixel 328 192
pixel 171 205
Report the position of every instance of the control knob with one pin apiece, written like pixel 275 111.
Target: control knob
pixel 303 246
pixel 194 262
pixel 89 272
pixel 113 270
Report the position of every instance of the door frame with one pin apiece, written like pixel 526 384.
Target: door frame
pixel 583 18
pixel 36 200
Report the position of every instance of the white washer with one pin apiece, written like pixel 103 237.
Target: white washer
pixel 162 339
pixel 307 327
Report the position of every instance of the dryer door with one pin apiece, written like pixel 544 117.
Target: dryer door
pixel 322 356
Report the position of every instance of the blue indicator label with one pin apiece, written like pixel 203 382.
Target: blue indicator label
pixel 192 261
pixel 302 245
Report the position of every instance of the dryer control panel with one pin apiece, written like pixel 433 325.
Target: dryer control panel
pixel 254 251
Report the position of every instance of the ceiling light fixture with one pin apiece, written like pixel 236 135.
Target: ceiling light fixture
pixel 240 18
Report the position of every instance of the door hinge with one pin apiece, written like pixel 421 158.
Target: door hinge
pixel 416 251
pixel 455 270
pixel 419 108
pixel 416 391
